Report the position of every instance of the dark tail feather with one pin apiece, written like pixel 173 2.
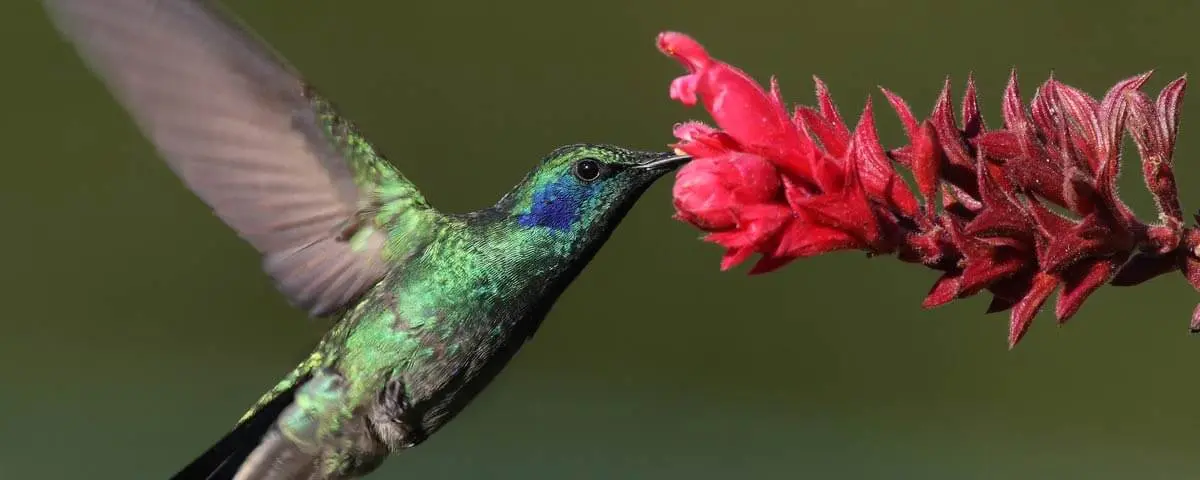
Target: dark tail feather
pixel 223 459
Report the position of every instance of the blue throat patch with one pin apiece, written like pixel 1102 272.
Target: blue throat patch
pixel 557 205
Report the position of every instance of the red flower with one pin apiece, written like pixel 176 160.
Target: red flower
pixel 711 191
pixel 788 186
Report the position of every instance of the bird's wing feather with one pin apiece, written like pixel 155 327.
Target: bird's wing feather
pixel 225 458
pixel 300 430
pixel 249 137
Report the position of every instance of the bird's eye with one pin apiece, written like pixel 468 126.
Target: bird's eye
pixel 587 170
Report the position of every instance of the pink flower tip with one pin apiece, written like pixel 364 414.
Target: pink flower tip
pixel 688 51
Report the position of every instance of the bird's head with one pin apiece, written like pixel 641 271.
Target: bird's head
pixel 579 193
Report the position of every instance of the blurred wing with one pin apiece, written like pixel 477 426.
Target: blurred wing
pixel 245 133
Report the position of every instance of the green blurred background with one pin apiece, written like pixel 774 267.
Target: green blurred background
pixel 137 328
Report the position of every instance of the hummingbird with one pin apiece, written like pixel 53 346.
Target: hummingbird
pixel 429 306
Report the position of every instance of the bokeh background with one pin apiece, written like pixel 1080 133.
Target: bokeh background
pixel 136 328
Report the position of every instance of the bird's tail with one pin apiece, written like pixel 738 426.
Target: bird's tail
pixel 225 459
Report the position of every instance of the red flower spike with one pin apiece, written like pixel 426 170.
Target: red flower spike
pixel 794 186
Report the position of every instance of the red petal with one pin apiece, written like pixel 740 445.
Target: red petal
pixel 801 239
pixel 985 264
pixel 1083 129
pixel 1087 239
pixel 1011 108
pixel 735 256
pixel 955 199
pixel 1079 282
pixel 1033 172
pixel 684 89
pixel 1079 193
pixel 1001 215
pixel 1168 103
pixel 971 118
pixel 879 179
pixel 931 246
pixel 1000 144
pixel 1191 270
pixel 1023 313
pixel 688 51
pixel 830 112
pixel 980 272
pixel 1154 135
pixel 1114 109
pixel 815 125
pixel 927 164
pixel 944 290
pixel 701 197
pixel 943 122
pixel 757 225
pixel 756 180
pixel 742 108
pixel 700 140
pixel 905 114
pixel 710 191
pixel 734 239
pixel 848 210
pixel 1044 112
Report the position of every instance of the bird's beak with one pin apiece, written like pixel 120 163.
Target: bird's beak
pixel 666 161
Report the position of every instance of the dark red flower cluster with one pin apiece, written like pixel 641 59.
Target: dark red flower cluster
pixel 986 210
